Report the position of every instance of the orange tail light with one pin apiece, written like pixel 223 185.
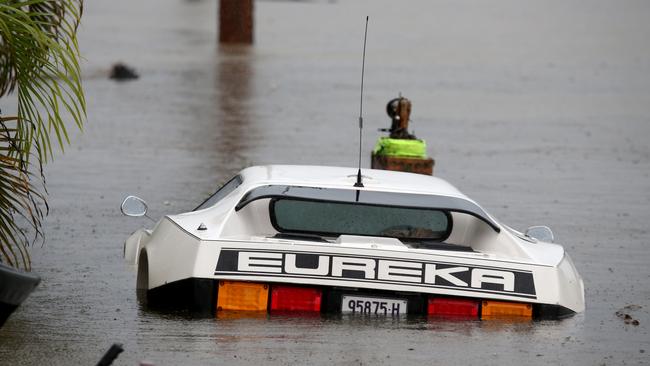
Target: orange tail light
pixel 242 296
pixel 506 310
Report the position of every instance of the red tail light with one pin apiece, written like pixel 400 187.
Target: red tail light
pixel 452 307
pixel 292 298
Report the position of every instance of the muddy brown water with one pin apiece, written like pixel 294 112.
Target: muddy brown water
pixel 539 110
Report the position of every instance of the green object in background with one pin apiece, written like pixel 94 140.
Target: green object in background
pixel 400 147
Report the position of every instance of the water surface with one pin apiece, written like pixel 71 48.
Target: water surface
pixel 537 109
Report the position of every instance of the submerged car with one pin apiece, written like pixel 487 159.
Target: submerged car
pixel 284 238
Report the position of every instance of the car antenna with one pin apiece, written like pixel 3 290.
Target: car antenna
pixel 359 183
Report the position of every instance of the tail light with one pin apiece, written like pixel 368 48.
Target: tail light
pixel 293 298
pixel 242 296
pixel 506 310
pixel 453 307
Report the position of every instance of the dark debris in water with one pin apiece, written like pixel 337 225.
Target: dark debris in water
pixel 624 314
pixel 121 71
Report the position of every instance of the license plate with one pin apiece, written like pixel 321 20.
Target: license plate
pixel 373 305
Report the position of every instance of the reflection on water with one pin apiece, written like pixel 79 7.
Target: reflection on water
pixel 234 84
pixel 222 315
pixel 223 320
pixel 512 324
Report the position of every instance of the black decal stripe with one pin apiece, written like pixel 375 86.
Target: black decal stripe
pixel 386 258
pixel 410 284
pixel 524 281
pixel 305 260
pixel 227 260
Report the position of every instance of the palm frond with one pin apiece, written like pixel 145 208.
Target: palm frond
pixel 39 57
pixel 19 199
pixel 39 60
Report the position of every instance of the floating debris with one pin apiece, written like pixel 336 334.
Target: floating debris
pixel 111 355
pixel 624 314
pixel 121 71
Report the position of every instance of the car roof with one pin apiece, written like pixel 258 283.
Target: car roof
pixel 302 181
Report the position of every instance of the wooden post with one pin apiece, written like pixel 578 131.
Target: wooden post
pixel 236 21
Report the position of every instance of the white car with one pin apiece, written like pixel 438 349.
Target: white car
pixel 284 238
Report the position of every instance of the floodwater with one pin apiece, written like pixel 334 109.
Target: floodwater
pixel 539 110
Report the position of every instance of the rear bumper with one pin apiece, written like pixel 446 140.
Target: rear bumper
pixel 200 296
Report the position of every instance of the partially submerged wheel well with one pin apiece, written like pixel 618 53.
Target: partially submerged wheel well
pixel 143 272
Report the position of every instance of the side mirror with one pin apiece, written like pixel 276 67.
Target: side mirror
pixel 541 233
pixel 134 206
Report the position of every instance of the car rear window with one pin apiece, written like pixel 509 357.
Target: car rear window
pixel 337 218
pixel 222 192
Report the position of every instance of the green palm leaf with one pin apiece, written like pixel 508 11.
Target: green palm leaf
pixel 39 61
